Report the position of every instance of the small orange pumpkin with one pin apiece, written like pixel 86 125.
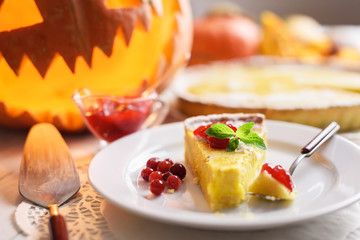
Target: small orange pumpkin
pixel 50 48
pixel 224 36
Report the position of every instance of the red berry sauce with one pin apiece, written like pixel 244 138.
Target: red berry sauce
pixel 213 142
pixel 217 143
pixel 200 131
pixel 122 121
pixel 280 174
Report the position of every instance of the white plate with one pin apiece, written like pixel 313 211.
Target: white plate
pixel 325 182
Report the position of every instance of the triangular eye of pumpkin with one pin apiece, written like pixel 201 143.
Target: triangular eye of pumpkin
pixel 12 17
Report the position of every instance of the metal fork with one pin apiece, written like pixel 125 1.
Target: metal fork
pixel 314 144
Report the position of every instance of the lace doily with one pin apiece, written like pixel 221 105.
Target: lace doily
pixel 82 214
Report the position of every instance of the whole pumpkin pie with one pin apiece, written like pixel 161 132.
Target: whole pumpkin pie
pixel 223 175
pixel 310 95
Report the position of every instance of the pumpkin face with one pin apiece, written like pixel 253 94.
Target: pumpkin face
pixel 120 46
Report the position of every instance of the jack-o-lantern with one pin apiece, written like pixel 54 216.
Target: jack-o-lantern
pixel 50 48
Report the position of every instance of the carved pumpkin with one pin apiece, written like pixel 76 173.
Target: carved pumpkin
pixel 50 48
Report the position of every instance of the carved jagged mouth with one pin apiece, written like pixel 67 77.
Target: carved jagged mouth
pixel 72 29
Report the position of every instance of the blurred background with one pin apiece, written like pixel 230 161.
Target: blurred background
pixel 328 12
pixel 271 46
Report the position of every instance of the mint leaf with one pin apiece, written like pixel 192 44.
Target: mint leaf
pixel 220 130
pixel 244 130
pixel 254 140
pixel 248 137
pixel 233 144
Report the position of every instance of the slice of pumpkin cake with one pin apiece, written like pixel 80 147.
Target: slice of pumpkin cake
pixel 225 153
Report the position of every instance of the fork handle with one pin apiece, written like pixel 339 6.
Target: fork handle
pixel 314 144
pixel 57 224
pixel 319 139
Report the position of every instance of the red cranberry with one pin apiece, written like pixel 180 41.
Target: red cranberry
pixel 168 159
pixel 179 170
pixel 166 175
pixel 157 186
pixel 152 163
pixel 145 173
pixel 155 175
pixel 173 182
pixel 212 141
pixel 164 166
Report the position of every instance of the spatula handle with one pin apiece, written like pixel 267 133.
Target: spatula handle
pixel 57 224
